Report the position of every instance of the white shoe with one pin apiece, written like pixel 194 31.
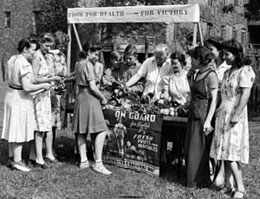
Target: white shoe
pixel 20 166
pixel 99 167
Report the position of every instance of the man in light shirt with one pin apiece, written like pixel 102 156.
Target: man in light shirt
pixel 153 70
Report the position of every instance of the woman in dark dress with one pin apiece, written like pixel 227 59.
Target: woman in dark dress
pixel 204 87
pixel 88 116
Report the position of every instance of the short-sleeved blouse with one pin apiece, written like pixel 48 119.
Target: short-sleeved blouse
pixel 18 67
pixel 211 81
pixel 177 87
pixel 98 71
pixel 84 73
pixel 241 78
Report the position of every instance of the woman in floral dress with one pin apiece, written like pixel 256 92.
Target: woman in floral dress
pixel 231 139
pixel 42 103
pixel 56 61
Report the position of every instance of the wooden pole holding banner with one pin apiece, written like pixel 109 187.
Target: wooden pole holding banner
pixel 69 49
pixel 77 36
pixel 195 32
pixel 146 46
pixel 200 34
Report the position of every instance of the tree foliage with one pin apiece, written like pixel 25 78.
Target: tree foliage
pixel 128 32
pixel 52 15
pixel 253 10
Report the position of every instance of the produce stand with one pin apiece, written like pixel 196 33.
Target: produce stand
pixel 134 139
pixel 140 136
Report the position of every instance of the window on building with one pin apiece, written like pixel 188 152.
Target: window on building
pixel 243 36
pixel 223 32
pixel 234 33
pixel 7 19
pixel 236 2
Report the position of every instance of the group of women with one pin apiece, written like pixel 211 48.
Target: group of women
pixel 216 89
pixel 30 112
pixel 33 103
pixel 218 124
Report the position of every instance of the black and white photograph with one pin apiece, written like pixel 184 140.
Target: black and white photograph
pixel 122 99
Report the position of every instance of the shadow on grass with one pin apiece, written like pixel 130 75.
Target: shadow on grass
pixel 64 148
pixel 66 151
pixel 3 152
pixel 173 173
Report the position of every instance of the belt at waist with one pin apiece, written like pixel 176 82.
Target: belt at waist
pixel 15 88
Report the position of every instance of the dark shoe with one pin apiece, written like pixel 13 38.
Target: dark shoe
pixel 227 190
pixel 10 163
pixel 31 162
pixel 54 161
pixel 217 187
pixel 42 166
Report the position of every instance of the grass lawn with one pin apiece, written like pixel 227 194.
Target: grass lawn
pixel 66 181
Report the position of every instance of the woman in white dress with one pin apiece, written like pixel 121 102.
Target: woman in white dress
pixel 19 118
pixel 231 139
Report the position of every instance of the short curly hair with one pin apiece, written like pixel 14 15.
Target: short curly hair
pixel 115 55
pixel 23 43
pixel 46 37
pixel 61 38
pixel 203 54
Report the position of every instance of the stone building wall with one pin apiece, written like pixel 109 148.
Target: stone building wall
pixel 21 25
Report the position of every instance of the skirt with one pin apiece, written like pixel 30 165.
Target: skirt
pixel 197 147
pixel 58 110
pixel 88 115
pixel 19 118
pixel 42 108
pixel 230 143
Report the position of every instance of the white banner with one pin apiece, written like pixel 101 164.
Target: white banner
pixel 135 14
